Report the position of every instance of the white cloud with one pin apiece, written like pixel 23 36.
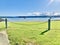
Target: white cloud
pixel 34 13
pixel 57 13
pixel 52 13
pixel 48 13
pixel 45 13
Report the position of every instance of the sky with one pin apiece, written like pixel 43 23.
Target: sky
pixel 28 7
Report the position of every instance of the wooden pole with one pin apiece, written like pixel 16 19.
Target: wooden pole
pixel 6 23
pixel 49 24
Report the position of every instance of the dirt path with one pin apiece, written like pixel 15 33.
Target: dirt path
pixel 4 38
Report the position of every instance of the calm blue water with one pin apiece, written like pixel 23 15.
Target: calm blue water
pixel 30 19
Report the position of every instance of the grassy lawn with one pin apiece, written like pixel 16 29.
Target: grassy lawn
pixel 29 33
pixel 2 26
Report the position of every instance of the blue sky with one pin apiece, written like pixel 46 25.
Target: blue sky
pixel 26 7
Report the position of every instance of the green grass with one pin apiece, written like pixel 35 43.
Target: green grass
pixel 30 32
pixel 2 26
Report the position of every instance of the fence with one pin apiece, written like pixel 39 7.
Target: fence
pixel 28 33
pixel 48 22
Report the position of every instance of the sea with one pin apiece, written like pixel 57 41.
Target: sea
pixel 30 19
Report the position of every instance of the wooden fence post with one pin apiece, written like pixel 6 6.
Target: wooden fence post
pixel 6 23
